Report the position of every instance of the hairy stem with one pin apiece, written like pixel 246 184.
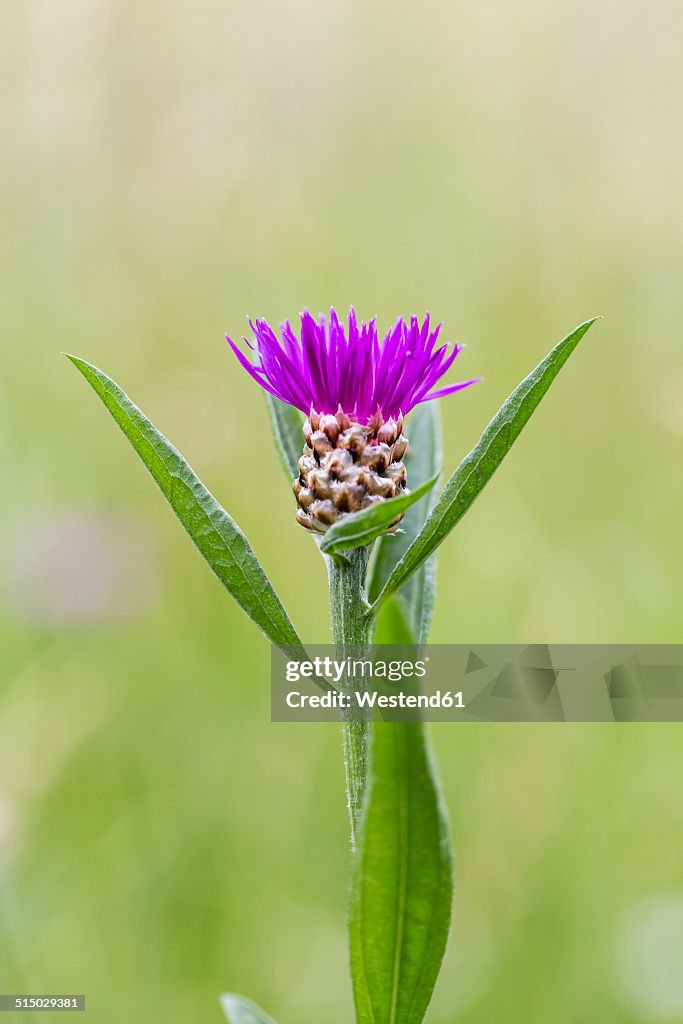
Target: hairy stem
pixel 351 631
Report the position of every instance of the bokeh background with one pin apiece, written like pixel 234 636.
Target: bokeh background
pixel 168 169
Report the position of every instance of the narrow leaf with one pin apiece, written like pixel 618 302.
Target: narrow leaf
pixel 287 425
pixel 401 884
pixel 423 460
pixel 391 624
pixel 477 468
pixel 361 528
pixel 213 531
pixel 239 1010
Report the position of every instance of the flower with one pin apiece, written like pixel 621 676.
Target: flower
pixel 333 366
pixel 354 390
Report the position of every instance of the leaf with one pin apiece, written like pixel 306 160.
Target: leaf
pixel 287 425
pixel 361 528
pixel 401 882
pixel 477 468
pixel 239 1010
pixel 214 532
pixel 391 625
pixel 423 460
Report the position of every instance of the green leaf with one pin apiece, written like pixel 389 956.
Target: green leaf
pixel 391 625
pixel 361 528
pixel 287 425
pixel 215 534
pixel 477 468
pixel 416 597
pixel 401 883
pixel 239 1010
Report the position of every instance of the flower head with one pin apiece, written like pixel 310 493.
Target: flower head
pixel 336 367
pixel 355 391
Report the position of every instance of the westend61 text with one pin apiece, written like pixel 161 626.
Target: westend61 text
pixel 372 699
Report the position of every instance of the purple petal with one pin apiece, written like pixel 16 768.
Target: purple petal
pixel 332 364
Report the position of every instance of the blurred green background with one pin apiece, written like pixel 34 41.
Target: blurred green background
pixel 169 168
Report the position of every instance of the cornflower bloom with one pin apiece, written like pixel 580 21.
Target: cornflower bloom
pixel 355 391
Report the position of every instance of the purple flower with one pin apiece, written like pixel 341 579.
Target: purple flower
pixel 334 367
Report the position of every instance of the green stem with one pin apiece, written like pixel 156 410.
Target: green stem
pixel 351 631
